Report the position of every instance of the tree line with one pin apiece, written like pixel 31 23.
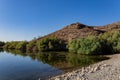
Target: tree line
pixel 106 43
pixel 45 44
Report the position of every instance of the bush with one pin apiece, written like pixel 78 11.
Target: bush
pixel 10 45
pixel 31 46
pixel 108 42
pixel 113 40
pixel 21 45
pixel 50 44
pixel 88 45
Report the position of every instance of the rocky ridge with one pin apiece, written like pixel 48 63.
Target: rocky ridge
pixel 78 30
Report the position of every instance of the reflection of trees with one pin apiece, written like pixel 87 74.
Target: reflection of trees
pixel 83 60
pixel 61 60
pixel 79 60
pixel 1 50
pixel 50 57
pixel 67 61
pixel 32 55
pixel 16 52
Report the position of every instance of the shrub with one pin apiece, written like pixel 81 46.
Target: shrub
pixel 21 45
pixel 50 44
pixel 10 45
pixel 88 45
pixel 108 42
pixel 31 46
pixel 113 40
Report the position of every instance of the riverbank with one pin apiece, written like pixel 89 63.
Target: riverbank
pixel 104 70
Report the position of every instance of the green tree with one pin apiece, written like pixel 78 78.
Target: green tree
pixel 21 45
pixel 88 45
pixel 31 46
pixel 50 44
pixel 112 39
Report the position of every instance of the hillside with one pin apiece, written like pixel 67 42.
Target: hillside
pixel 70 32
pixel 78 30
pixel 73 31
pixel 109 27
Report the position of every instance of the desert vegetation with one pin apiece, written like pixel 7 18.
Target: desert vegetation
pixel 45 44
pixel 50 44
pixel 108 42
pixel 113 40
pixel 88 45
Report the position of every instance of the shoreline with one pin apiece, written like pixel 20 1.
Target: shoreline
pixel 103 70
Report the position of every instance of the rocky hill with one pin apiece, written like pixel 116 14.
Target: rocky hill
pixel 78 30
pixel 109 27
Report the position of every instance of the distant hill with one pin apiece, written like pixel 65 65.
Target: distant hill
pixel 78 30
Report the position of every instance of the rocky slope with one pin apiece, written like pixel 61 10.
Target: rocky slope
pixel 78 30
pixel 109 27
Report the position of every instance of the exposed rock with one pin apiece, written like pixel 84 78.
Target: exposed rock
pixel 109 27
pixel 78 30
pixel 73 31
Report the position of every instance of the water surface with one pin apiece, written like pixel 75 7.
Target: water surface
pixel 16 65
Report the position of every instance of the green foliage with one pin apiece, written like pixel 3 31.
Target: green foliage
pixel 31 46
pixel 45 44
pixel 10 45
pixel 21 45
pixel 83 60
pixel 108 42
pixel 50 44
pixel 113 40
pixel 2 44
pixel 88 45
pixel 16 52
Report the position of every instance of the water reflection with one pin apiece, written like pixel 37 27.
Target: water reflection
pixel 83 60
pixel 16 52
pixel 61 60
pixel 15 65
pixel 1 50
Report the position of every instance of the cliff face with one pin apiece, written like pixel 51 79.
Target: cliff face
pixel 78 30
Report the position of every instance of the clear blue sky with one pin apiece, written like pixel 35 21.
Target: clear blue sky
pixel 26 19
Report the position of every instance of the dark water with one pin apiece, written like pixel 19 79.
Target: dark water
pixel 16 65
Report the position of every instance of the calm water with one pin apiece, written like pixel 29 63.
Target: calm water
pixel 15 65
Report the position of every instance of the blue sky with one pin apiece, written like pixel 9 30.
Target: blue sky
pixel 26 19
